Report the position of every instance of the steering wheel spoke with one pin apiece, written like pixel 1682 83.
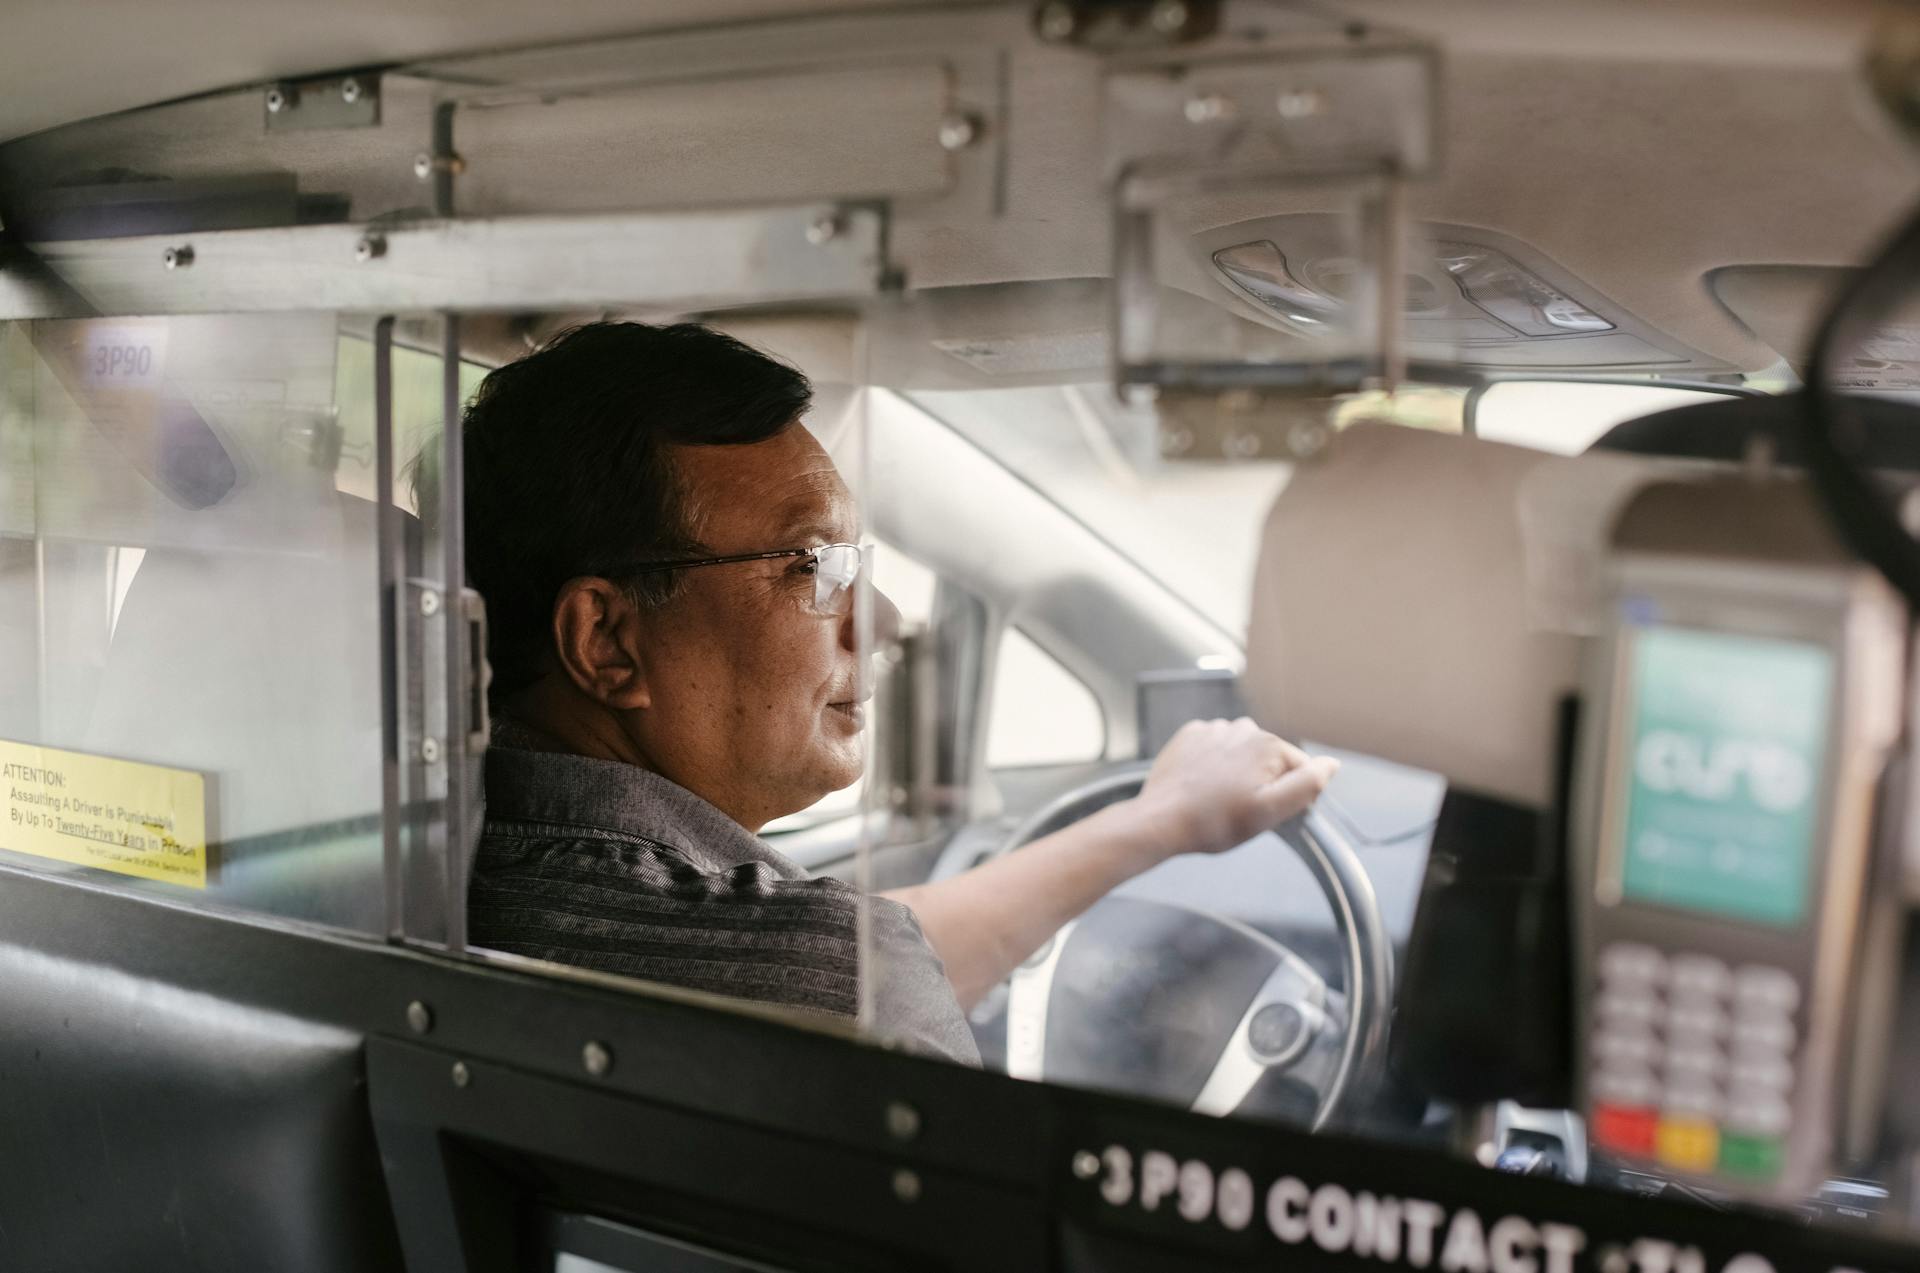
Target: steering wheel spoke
pixel 1029 997
pixel 1280 1027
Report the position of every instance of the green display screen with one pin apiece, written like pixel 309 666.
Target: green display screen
pixel 1727 739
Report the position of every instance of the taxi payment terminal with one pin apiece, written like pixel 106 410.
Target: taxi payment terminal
pixel 1740 712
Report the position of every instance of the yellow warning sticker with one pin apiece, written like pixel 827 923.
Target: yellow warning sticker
pixel 113 815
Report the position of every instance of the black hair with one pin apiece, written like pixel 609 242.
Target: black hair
pixel 569 472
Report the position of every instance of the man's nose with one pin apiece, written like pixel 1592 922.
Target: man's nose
pixel 886 623
pixel 886 619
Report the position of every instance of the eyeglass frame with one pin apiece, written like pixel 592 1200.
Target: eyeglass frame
pixel 661 567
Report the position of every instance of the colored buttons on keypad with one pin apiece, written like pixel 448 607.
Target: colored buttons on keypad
pixel 1624 1129
pixel 1692 1061
pixel 1755 1156
pixel 1687 1144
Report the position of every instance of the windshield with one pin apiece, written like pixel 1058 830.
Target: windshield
pixel 1192 525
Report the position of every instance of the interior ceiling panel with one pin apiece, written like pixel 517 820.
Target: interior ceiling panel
pixel 65 60
pixel 1640 178
pixel 1639 145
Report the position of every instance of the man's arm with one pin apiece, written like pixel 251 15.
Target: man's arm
pixel 1215 784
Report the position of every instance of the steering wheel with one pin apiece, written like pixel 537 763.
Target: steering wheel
pixel 1201 1006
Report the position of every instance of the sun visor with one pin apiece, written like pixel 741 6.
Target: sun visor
pixel 1419 597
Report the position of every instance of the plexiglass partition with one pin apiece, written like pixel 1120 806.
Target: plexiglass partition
pixel 193 688
pixel 228 636
pixel 1087 591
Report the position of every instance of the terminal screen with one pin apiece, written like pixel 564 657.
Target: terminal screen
pixel 1726 741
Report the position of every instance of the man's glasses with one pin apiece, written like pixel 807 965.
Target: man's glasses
pixel 836 570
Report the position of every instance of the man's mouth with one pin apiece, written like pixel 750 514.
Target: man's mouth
pixel 854 710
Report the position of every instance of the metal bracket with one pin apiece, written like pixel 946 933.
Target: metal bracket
pixel 478 673
pixel 1357 111
pixel 949 63
pixel 683 259
pixel 329 101
pixel 1111 25
pixel 1245 424
pixel 442 163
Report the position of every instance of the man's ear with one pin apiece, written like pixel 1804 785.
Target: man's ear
pixel 596 635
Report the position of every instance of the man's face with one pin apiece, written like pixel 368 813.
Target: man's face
pixel 755 699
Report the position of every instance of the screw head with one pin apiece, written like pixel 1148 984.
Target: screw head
pixel 959 131
pixel 597 1058
pixel 1169 17
pixel 1086 1164
pixel 423 166
pixel 903 1120
pixel 462 1076
pixel 429 603
pixel 824 229
pixel 1057 21
pixel 419 1017
pixel 276 101
pixel 1205 108
pixel 430 750
pixel 372 247
pixel 1308 439
pixel 177 258
pixel 906 1185
pixel 350 90
pixel 1301 103
pixel 1241 445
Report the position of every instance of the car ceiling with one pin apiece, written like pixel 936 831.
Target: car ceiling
pixel 65 60
pixel 1638 145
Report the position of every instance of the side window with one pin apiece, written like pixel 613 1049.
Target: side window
pixel 1041 713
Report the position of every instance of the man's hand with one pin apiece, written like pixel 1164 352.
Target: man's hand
pixel 1214 785
pixel 1219 783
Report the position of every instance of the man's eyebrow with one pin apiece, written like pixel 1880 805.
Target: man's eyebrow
pixel 812 532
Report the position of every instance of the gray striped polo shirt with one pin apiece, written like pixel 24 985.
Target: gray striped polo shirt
pixel 608 866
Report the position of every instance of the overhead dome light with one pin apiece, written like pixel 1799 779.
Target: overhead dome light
pixel 1467 294
pixel 1523 301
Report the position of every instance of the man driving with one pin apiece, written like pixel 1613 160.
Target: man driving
pixel 670 560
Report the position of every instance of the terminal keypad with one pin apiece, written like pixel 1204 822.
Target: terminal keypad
pixel 1692 1060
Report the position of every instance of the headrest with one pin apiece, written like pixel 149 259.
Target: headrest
pixel 1391 611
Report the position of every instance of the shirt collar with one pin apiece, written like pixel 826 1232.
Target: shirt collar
pixel 563 789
